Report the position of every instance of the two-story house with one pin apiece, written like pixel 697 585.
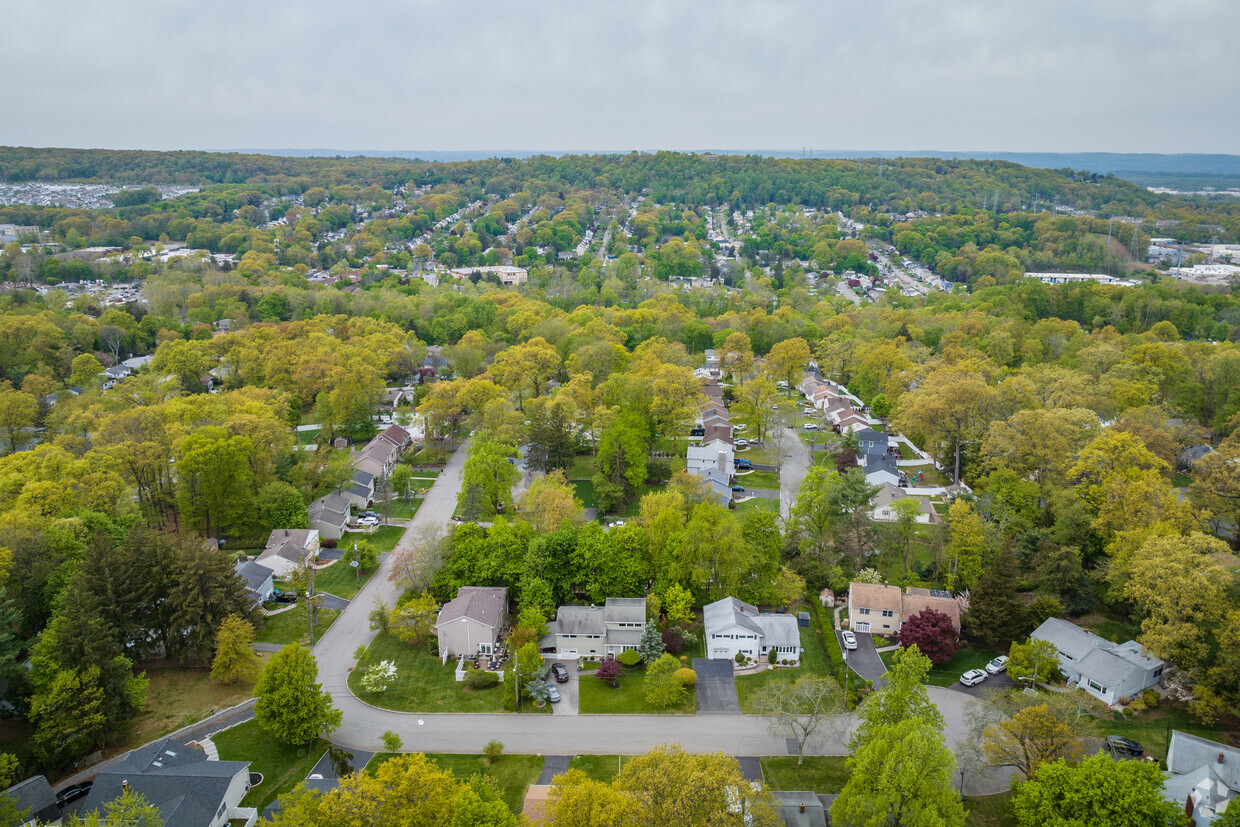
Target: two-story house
pixel 599 631
pixel 735 627
pixel 883 609
pixel 473 622
pixel 289 549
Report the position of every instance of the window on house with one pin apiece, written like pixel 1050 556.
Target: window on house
pixel 888 613
pixel 863 612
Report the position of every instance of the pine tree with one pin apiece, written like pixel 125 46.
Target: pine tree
pixel 996 616
pixel 235 659
pixel 651 645
pixel 206 590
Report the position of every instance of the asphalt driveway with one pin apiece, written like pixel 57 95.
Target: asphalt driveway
pixel 716 687
pixel 863 660
pixel 330 601
pixel 1000 681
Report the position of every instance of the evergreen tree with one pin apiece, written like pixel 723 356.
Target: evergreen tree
pixel 206 590
pixel 235 658
pixel 651 645
pixel 996 616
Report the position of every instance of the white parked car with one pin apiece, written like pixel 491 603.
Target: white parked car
pixel 742 443
pixel 973 677
pixel 811 426
pixel 850 640
pixel 997 665
pixel 368 521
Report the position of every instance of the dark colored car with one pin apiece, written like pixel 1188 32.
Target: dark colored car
pixel 1118 745
pixel 697 432
pixel 559 672
pixel 73 792
pixel 286 597
pixel 738 489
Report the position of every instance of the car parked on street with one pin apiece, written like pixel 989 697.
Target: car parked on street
pixel 1119 745
pixel 997 665
pixel 560 672
pixel 850 640
pixel 973 677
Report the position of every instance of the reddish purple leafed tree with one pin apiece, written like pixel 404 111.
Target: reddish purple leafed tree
pixel 933 633
pixel 609 670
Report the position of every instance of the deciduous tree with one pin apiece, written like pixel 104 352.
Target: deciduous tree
pixel 235 658
pixel 291 704
pixel 803 710
pixel 932 632
pixel 1063 795
pixel 1033 736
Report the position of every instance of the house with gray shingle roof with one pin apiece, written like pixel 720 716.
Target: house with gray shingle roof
pixel 734 627
pixel 473 622
pixel 289 549
pixel 35 798
pixel 259 580
pixel 329 515
pixel 599 631
pixel 1108 671
pixel 1202 775
pixel 188 789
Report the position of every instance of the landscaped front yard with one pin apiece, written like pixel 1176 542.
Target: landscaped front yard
pixel 820 773
pixel 599 767
pixel 385 539
pixel 340 579
pixel 813 662
pixel 512 774
pixel 596 697
pixel 423 683
pixel 293 626
pixel 283 767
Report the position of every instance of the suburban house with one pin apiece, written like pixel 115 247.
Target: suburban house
pixel 599 631
pixel 886 497
pixel 718 483
pixel 872 441
pixel 735 627
pixel 377 458
pixel 289 549
pixel 473 622
pixel 259 580
pixel 34 796
pixel 188 789
pixel 801 808
pixel 329 515
pixel 398 436
pixel 360 490
pixel 883 609
pixel 881 470
pixel 1108 671
pixel 1202 775
pixel 715 454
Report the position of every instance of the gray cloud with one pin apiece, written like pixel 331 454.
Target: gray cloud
pixel 1055 75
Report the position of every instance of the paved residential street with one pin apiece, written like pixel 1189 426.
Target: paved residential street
pixel 796 466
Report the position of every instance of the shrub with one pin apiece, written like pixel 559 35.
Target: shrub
pixel 629 658
pixel 673 641
pixel 480 679
pixel 493 750
pixel 392 742
pixel 687 677
pixel 740 658
pixel 1150 698
pixel 609 670
pixel 328 543
pixel 1127 711
pixel 773 657
pixel 1138 705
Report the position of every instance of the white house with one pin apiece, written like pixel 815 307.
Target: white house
pixel 887 496
pixel 715 454
pixel 259 580
pixel 1108 671
pixel 1202 775
pixel 735 627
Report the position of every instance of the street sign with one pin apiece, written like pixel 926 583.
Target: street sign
pixel 353 564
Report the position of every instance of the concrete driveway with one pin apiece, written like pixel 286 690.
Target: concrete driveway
pixel 863 660
pixel 570 692
pixel 716 687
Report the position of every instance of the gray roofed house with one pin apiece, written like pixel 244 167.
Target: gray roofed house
pixel 396 435
pixel 378 457
pixel 329 515
pixel 717 482
pixel 35 797
pixel 1108 671
pixel 473 622
pixel 188 789
pixel 1202 775
pixel 259 580
pixel 733 627
pixel 799 808
pixel 288 549
pixel 599 631
pixel 872 441
pixel 880 469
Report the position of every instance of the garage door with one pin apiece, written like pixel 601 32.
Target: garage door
pixel 721 653
pixel 568 653
pixel 863 626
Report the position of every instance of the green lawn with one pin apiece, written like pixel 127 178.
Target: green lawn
pixel 824 774
pixel 633 508
pixel 599 767
pixel 422 683
pixel 930 475
pixel 340 579
pixel 598 698
pixel 385 538
pixel 1149 727
pixel 1110 626
pixel 584 491
pixel 581 469
pixel 424 475
pixel 283 767
pixel 402 509
pixel 758 503
pixel 307 437
pixel 971 657
pixel 512 774
pixel 767 480
pixel 814 661
pixel 293 626
pixel 906 452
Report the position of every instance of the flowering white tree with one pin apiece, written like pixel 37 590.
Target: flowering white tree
pixel 379 677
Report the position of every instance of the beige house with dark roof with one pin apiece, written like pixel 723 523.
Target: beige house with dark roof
pixel 881 610
pixel 289 549
pixel 473 622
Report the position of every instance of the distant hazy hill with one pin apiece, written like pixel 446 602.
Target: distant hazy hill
pixel 1114 162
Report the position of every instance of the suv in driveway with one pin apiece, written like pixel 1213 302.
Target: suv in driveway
pixel 559 672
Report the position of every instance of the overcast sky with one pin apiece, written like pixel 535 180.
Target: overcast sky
pixel 1044 76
